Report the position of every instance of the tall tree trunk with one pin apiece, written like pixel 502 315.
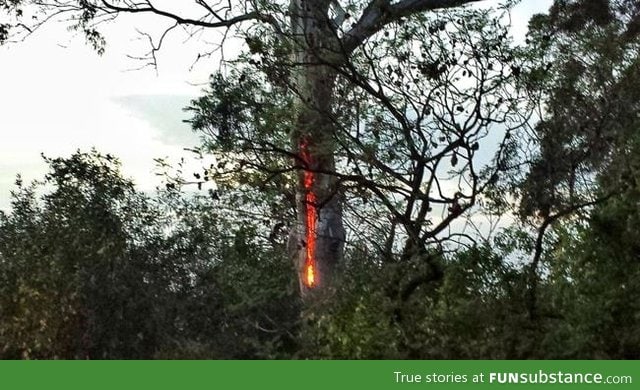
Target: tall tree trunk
pixel 317 243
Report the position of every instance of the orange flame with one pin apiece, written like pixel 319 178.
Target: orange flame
pixel 312 216
pixel 310 275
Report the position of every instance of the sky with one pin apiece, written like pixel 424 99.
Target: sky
pixel 57 96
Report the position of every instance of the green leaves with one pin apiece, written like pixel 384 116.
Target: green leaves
pixel 586 73
pixel 90 268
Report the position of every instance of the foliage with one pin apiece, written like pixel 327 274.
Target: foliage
pixel 585 60
pixel 94 269
pixel 90 268
pixel 595 279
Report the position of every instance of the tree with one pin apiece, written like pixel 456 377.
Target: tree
pixel 76 279
pixel 584 66
pixel 588 161
pixel 382 102
pixel 92 269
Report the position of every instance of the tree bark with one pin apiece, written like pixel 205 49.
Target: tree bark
pixel 317 241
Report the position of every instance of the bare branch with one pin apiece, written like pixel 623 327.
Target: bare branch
pixel 379 13
pixel 149 8
pixel 538 248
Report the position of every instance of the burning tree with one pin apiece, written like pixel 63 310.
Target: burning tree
pixel 354 111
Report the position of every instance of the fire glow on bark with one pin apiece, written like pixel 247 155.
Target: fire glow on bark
pixel 310 275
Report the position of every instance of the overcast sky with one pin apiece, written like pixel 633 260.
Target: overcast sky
pixel 57 95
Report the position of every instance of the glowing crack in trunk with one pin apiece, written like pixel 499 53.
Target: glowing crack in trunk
pixel 310 274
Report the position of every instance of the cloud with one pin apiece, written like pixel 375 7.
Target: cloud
pixel 56 99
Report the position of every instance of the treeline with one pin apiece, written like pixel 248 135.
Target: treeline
pixel 90 268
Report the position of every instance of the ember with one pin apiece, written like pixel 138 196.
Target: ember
pixel 310 274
